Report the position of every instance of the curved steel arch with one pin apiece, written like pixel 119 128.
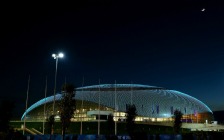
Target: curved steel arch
pixel 147 99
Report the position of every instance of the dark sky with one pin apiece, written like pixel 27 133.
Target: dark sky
pixel 167 43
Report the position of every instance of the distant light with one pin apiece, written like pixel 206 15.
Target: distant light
pixel 165 115
pixel 203 9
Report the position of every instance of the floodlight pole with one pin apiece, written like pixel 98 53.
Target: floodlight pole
pixel 27 96
pixel 45 106
pixel 55 82
pixel 82 107
pixel 131 93
pixel 99 111
pixel 56 56
pixel 115 107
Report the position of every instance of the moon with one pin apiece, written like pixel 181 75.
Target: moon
pixel 203 9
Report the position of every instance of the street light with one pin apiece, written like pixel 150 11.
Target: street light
pixel 56 56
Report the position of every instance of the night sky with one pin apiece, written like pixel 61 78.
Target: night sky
pixel 167 43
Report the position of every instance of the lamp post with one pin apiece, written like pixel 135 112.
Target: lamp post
pixel 56 56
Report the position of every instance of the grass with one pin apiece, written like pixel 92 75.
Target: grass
pixel 141 130
pixel 92 128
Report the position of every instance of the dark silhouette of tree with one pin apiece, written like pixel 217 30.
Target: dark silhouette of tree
pixel 67 106
pixel 177 121
pixel 16 135
pixel 6 107
pixel 131 114
pixel 49 125
pixel 110 124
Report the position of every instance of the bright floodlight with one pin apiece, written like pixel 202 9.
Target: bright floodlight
pixel 60 55
pixel 54 56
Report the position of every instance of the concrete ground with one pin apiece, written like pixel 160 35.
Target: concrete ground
pixel 203 127
pixel 195 126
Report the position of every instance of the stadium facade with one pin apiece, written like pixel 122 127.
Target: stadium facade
pixel 153 104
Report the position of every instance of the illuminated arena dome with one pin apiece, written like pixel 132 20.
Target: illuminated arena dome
pixel 152 104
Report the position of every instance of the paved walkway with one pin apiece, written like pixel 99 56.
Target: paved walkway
pixel 203 127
